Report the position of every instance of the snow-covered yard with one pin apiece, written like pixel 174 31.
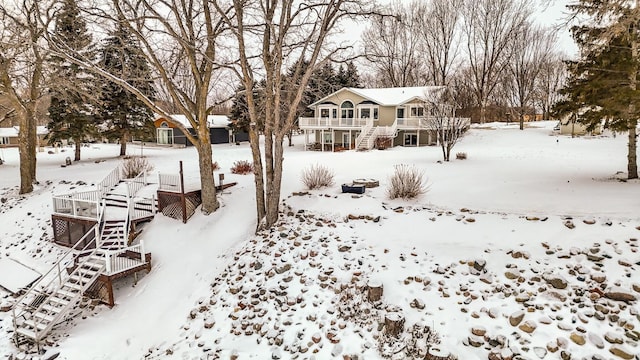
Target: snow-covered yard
pixel 522 248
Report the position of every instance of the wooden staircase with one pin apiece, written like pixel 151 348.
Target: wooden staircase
pixel 367 139
pixel 105 250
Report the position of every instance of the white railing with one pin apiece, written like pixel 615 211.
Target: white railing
pixel 388 131
pixel 135 184
pixel 364 132
pixel 142 208
pixel 307 122
pixel 124 259
pixel 169 182
pixel 410 123
pixel 34 298
pixel 80 204
pixel 110 180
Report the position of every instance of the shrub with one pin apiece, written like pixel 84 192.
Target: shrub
pixel 215 166
pixel 242 167
pixel 317 176
pixel 134 166
pixel 461 156
pixel 406 183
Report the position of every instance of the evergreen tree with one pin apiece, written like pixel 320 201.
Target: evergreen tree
pixel 122 114
pixel 603 82
pixel 70 111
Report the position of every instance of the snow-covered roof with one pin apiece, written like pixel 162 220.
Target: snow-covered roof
pixel 14 130
pixel 390 96
pixel 215 121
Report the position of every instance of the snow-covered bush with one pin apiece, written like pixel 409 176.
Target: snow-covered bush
pixel 242 167
pixel 317 176
pixel 135 166
pixel 407 182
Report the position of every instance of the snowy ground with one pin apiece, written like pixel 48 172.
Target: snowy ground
pixel 532 229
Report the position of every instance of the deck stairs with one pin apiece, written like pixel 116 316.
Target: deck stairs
pixel 367 138
pixel 106 249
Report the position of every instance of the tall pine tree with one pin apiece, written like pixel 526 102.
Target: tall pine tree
pixel 603 84
pixel 123 116
pixel 73 88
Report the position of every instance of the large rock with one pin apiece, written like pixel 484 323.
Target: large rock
pixel 556 280
pixel 577 338
pixel 516 318
pixel 528 326
pixel 620 294
pixel 622 352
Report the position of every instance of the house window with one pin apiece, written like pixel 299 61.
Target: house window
pixel 4 141
pixel 324 113
pixel 365 113
pixel 164 124
pixel 165 136
pixel 347 110
pixel 410 140
pixel 328 138
pixel 417 111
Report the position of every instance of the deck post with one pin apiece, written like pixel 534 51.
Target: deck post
pixel 418 138
pixel 333 140
pixel 107 258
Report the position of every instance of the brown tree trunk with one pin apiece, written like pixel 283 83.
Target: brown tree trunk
pixel 205 158
pixel 123 142
pixel 26 160
pixel 258 173
pixel 78 146
pixel 521 121
pixel 274 155
pixel 632 165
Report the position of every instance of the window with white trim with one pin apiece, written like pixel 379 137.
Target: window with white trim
pixel 416 111
pixel 4 141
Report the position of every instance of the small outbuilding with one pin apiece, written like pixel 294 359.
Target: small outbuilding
pixel 167 133
pixel 9 136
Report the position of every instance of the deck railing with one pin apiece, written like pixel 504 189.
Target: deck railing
pixel 84 204
pixel 110 180
pixel 308 122
pixel 169 182
pixel 364 132
pixel 123 259
pixel 143 207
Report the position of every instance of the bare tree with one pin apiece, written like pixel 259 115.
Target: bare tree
pixel 22 77
pixel 180 42
pixel 442 120
pixel 532 48
pixel 392 46
pixel 489 27
pixel 552 77
pixel 271 35
pixel 438 21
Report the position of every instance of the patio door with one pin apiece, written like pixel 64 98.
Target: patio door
pixel 345 140
pixel 410 139
pixel 165 136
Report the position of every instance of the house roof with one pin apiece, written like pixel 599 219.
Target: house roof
pixel 215 121
pixel 389 96
pixel 14 130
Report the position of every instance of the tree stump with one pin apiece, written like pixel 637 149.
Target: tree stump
pixel 393 324
pixel 374 290
pixel 437 354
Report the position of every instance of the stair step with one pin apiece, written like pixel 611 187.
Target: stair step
pixel 54 309
pixel 65 293
pixel 44 317
pixel 34 325
pixel 72 286
pixel 26 332
pixel 58 301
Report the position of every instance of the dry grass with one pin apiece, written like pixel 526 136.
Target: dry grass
pixel 134 166
pixel 242 167
pixel 317 176
pixel 461 156
pixel 407 182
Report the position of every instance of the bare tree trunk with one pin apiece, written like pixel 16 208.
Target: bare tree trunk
pixel 273 191
pixel 521 116
pixel 27 161
pixel 123 143
pixel 632 165
pixel 258 173
pixel 205 159
pixel 78 145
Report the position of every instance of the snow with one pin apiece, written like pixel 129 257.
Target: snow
pixel 214 121
pixel 504 210
pixel 15 276
pixel 14 130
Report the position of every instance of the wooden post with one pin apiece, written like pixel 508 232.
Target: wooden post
pixel 393 324
pixel 220 180
pixel 374 290
pixel 182 198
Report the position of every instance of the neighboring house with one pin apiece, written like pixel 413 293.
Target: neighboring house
pixel 569 125
pixel 353 118
pixel 168 134
pixel 9 136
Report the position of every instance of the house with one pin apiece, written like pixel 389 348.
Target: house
pixel 168 134
pixel 353 118
pixel 9 136
pixel 570 125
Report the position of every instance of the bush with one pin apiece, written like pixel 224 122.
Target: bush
pixel 134 166
pixel 215 166
pixel 406 183
pixel 242 167
pixel 461 156
pixel 317 176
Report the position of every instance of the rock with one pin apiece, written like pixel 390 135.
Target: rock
pixel 622 352
pixel 577 338
pixel 555 280
pixel 479 264
pixel 569 224
pixel 619 294
pixel 478 330
pixel 598 277
pixel 596 340
pixel 511 274
pixel 613 338
pixel 552 346
pixel 540 352
pixel 475 341
pixel 528 326
pixel 625 262
pixel 417 304
pixel 516 318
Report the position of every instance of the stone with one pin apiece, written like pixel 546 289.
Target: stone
pixel 552 346
pixel 528 326
pixel 622 352
pixel 516 318
pixel 479 264
pixel 475 341
pixel 619 294
pixel 555 280
pixel 613 338
pixel 596 340
pixel 478 330
pixel 540 352
pixel 598 277
pixel 569 224
pixel 577 338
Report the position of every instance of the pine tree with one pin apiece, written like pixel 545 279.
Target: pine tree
pixel 70 111
pixel 603 82
pixel 122 114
